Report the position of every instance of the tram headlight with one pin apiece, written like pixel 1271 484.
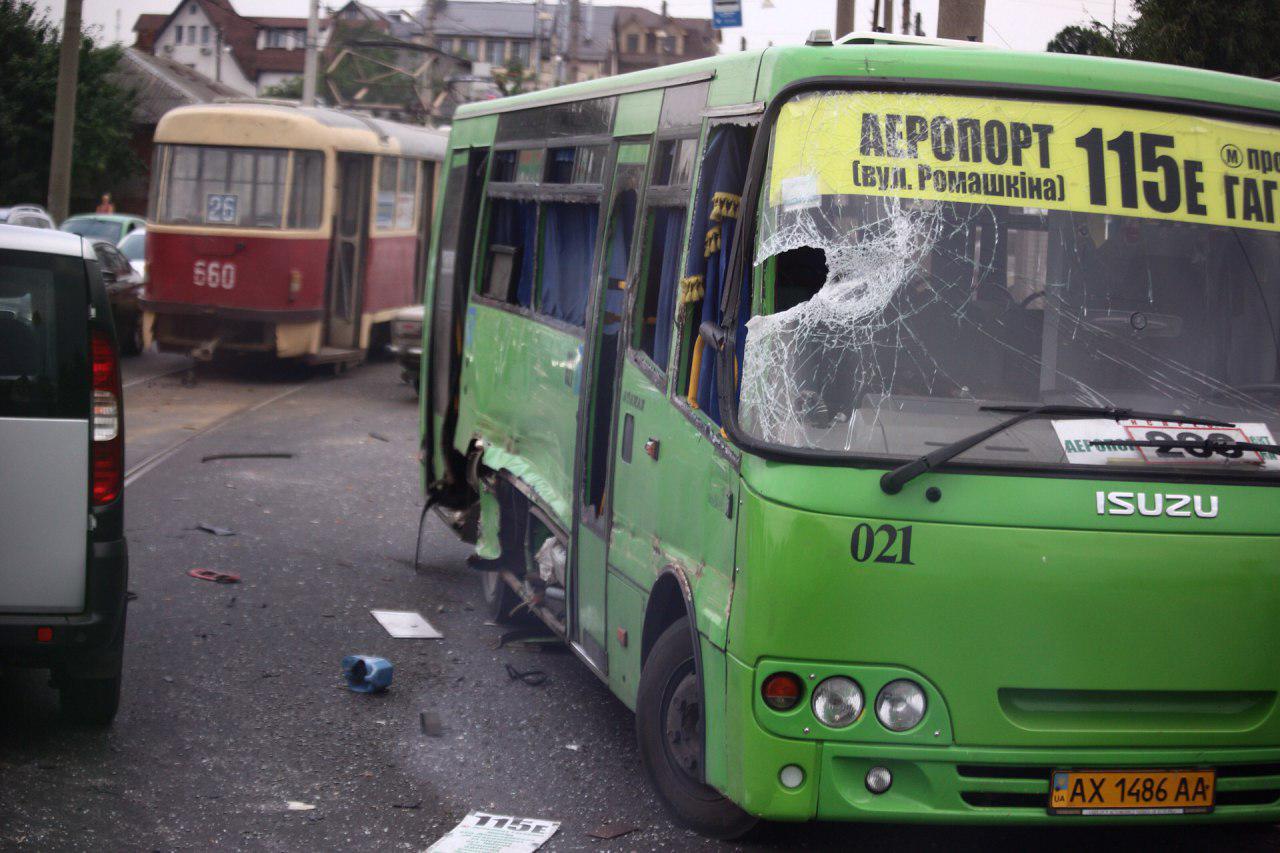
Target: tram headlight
pixel 837 702
pixel 901 705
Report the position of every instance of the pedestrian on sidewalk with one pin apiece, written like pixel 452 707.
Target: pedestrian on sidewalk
pixel 105 206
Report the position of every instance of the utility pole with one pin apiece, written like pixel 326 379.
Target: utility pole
pixel 309 62
pixel 844 18
pixel 537 44
pixel 906 17
pixel 875 16
pixel 575 37
pixel 64 113
pixel 888 16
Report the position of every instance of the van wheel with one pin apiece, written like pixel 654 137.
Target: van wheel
pixel 90 701
pixel 89 684
pixel 670 727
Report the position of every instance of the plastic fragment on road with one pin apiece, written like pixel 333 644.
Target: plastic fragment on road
pixel 610 831
pixel 490 833
pixel 366 673
pixel 431 723
pixel 296 806
pixel 215 576
pixel 216 531
pixel 406 624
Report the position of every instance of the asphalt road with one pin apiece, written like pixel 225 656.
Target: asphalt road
pixel 234 703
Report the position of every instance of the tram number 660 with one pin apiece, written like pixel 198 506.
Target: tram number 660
pixel 888 538
pixel 214 274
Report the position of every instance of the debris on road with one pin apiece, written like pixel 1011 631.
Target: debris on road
pixel 573 747
pixel 366 673
pixel 610 831
pixel 215 576
pixel 416 804
pixel 531 677
pixel 379 436
pixel 295 806
pixel 212 457
pixel 430 723
pixel 406 624
pixel 216 531
pixel 480 831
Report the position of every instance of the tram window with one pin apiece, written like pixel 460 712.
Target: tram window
pixel 504 167
pixel 406 194
pixel 225 187
pixel 560 166
pixel 306 204
pixel 386 206
pixel 674 165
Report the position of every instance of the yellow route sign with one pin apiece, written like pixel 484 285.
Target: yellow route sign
pixel 1037 154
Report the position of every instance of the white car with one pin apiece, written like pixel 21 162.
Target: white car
pixel 134 247
pixel 406 342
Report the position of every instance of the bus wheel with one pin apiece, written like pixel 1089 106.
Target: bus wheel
pixel 499 598
pixel 669 725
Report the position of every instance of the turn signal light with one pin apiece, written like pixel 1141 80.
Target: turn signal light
pixel 782 691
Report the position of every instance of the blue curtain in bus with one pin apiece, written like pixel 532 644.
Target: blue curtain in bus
pixel 515 223
pixel 714 225
pixel 667 227
pixel 568 242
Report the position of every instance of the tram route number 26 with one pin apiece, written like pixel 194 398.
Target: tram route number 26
pixel 883 544
pixel 214 274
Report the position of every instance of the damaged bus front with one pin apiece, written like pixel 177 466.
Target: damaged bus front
pixel 1003 365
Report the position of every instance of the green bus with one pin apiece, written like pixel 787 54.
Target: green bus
pixel 890 423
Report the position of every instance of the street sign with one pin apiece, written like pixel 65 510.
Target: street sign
pixel 726 13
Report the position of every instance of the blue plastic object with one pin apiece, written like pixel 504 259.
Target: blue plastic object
pixel 366 673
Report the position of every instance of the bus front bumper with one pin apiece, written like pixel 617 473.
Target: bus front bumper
pixel 947 783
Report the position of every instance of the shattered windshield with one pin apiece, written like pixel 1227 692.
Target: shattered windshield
pixel 921 256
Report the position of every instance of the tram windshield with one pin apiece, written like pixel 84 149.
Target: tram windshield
pixel 240 187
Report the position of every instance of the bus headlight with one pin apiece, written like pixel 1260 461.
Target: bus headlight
pixel 901 705
pixel 837 702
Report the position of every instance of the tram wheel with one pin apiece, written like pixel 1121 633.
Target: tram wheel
pixel 499 598
pixel 670 725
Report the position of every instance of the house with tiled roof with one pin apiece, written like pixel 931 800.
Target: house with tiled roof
pixel 248 54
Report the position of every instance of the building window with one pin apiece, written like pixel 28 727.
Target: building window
pixel 445 45
pixel 493 52
pixel 470 48
pixel 520 52
pixel 177 35
pixel 191 34
pixel 633 43
pixel 204 35
pixel 668 44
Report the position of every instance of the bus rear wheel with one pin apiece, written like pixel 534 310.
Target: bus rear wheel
pixel 670 726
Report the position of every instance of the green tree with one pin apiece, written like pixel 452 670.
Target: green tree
pixel 290 90
pixel 101 155
pixel 1241 37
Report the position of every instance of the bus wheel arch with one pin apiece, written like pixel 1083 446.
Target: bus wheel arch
pixel 670 709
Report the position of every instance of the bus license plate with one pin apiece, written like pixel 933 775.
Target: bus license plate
pixel 1131 792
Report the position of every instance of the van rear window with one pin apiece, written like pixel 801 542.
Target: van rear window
pixel 44 362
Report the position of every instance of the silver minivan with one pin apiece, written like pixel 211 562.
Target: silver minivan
pixel 63 560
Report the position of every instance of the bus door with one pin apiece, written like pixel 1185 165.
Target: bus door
pixel 350 234
pixel 606 339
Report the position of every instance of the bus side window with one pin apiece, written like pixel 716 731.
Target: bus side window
pixel 567 246
pixel 510 250
pixel 711 235
pixel 659 274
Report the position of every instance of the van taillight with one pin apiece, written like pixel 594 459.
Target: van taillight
pixel 108 444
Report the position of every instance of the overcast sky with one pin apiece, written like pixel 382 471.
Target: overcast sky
pixel 1020 24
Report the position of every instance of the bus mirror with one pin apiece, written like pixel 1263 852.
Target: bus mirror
pixel 712 335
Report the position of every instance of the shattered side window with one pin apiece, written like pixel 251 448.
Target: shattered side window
pixel 923 256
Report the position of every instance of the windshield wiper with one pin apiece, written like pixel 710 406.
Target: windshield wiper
pixel 1209 444
pixel 893 481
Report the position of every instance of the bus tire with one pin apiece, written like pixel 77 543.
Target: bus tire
pixel 669 727
pixel 499 598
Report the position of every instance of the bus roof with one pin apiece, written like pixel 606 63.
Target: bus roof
pixel 760 75
pixel 284 124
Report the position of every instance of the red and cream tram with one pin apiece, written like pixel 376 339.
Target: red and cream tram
pixel 295 231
